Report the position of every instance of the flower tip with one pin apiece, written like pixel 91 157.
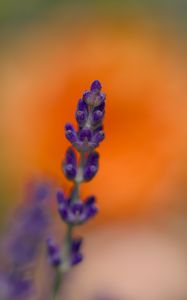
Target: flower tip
pixel 96 86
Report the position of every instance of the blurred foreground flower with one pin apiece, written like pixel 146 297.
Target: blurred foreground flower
pixel 23 243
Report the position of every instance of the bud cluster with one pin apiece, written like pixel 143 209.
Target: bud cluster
pixel 89 115
pixel 80 164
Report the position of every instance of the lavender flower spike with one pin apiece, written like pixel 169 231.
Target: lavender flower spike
pixel 78 168
pixel 89 115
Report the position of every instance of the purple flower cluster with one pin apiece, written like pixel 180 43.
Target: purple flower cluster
pixel 90 167
pixel 79 168
pixel 89 115
pixel 53 251
pixel 78 212
pixel 22 247
pixel 55 257
pixel 29 227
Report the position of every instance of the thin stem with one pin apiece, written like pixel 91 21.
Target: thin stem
pixel 67 249
pixel 56 285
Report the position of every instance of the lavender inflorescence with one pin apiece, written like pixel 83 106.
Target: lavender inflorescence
pixel 89 115
pixel 72 209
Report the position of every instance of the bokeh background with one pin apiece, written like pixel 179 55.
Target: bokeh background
pixel 50 52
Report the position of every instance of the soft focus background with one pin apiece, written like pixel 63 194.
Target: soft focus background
pixel 50 53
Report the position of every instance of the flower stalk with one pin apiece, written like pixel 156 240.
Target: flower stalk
pixel 73 210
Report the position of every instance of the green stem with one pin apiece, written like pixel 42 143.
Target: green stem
pixel 56 285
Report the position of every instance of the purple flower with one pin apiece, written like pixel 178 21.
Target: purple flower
pixel 29 229
pixel 72 210
pixel 70 164
pixel 85 140
pixel 85 135
pixel 76 213
pixel 96 86
pixel 76 256
pixel 22 247
pixel 89 115
pixel 53 252
pixel 97 116
pixel 91 166
pixel 15 286
pixel 81 117
pixel 71 134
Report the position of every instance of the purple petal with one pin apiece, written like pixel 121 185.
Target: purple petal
pixel 76 244
pixel 70 171
pixel 71 156
pixel 98 137
pixel 80 117
pixel 96 86
pixel 89 172
pixel 63 211
pixel 77 207
pixel 90 200
pixel 97 116
pixel 93 158
pixel 82 105
pixel 85 133
pixel 76 258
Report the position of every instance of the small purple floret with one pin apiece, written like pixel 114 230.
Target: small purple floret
pixel 82 105
pixel 76 244
pixel 80 117
pixel 76 258
pixel 70 164
pixel 96 86
pixel 53 253
pixel 78 212
pixel 91 166
pixel 70 133
pixel 76 255
pixel 97 116
pixel 85 134
pixel 98 137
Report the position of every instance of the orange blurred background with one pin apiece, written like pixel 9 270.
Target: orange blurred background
pixel 142 66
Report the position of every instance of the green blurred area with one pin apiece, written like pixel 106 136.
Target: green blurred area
pixel 18 12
